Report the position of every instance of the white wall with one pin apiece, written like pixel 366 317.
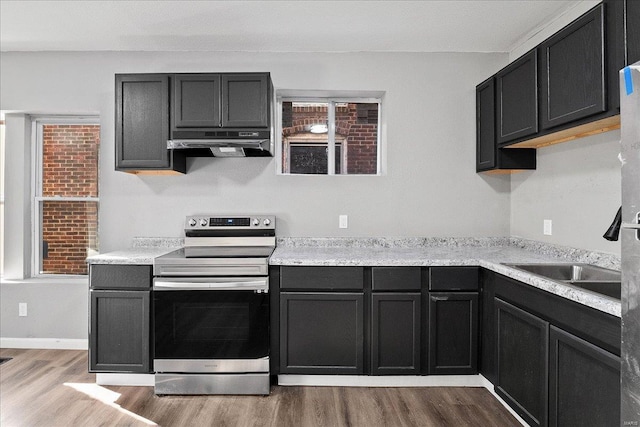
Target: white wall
pixel 431 188
pixel 576 184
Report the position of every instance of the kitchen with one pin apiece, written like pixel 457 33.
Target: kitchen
pixel 429 107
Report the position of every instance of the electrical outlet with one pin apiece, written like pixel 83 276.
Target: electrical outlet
pixel 343 221
pixel 547 227
pixel 22 309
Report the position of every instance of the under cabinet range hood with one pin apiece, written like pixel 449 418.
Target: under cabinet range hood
pixel 223 143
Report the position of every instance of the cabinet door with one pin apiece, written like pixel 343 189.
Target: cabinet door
pixel 485 126
pixel 142 123
pixel 245 100
pixel 522 350
pixel 584 383
pixel 573 71
pixel 321 333
pixel 517 98
pixel 453 333
pixel 395 333
pixel 196 100
pixel 487 327
pixel 119 339
pixel 632 27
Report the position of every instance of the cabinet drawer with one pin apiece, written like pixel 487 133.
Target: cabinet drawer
pixel 110 276
pixel 396 278
pixel 322 278
pixel 453 279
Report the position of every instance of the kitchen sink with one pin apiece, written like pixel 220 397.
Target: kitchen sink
pixel 584 276
pixel 611 289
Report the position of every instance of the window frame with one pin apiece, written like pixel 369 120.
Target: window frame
pixel 37 200
pixel 330 98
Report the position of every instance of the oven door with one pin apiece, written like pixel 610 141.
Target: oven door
pixel 210 318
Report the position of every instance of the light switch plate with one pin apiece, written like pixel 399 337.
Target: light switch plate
pixel 22 309
pixel 547 227
pixel 343 221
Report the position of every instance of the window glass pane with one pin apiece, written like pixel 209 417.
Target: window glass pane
pixel 311 159
pixel 304 137
pixel 357 125
pixel 69 235
pixel 70 160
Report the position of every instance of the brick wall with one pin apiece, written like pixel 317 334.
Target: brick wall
pixel 69 169
pixel 357 123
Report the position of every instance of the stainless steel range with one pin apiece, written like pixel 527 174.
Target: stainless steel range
pixel 211 308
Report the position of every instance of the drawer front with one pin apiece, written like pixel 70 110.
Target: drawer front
pixel 396 278
pixel 453 279
pixel 116 276
pixel 322 278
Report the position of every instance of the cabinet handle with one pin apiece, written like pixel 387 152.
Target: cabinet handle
pixel 439 298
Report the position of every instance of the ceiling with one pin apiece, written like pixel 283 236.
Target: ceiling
pixel 275 26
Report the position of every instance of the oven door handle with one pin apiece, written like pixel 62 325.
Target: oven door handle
pixel 249 285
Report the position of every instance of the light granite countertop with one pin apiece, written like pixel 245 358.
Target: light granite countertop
pixel 490 253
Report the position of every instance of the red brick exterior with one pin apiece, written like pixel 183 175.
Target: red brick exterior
pixel 69 169
pixel 356 123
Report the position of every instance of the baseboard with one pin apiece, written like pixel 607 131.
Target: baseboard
pixel 383 381
pixel 45 343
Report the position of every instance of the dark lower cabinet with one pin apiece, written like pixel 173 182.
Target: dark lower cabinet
pixel 321 333
pixel 395 333
pixel 119 335
pixel 453 333
pixel 522 349
pixel 584 383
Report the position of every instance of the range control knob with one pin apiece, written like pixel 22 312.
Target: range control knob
pixel 192 222
pixel 203 222
pixel 256 222
pixel 266 221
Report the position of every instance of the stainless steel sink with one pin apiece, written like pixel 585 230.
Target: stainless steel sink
pixel 585 276
pixel 571 272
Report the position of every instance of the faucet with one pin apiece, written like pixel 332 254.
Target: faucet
pixel 614 229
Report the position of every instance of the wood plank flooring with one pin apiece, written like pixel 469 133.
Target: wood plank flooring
pixel 53 388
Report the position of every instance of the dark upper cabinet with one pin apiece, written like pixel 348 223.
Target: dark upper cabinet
pixel 395 333
pixel 584 382
pixel 489 157
pixel 142 124
pixel 210 101
pixel 196 100
pixel 573 80
pixel 485 125
pixel 517 99
pixel 245 100
pixel 119 335
pixel 632 31
pixel 522 343
pixel 321 333
pixel 453 333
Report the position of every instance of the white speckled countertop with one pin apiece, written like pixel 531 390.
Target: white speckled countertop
pixel 143 251
pixel 490 253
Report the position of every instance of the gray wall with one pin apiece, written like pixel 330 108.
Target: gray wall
pixel 430 189
pixel 576 184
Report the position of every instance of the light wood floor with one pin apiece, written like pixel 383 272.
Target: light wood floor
pixel 53 388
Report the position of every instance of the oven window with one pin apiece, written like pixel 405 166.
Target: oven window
pixel 211 325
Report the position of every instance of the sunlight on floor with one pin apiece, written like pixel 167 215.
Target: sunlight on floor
pixel 107 397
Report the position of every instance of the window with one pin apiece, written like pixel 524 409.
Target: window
pixel 329 136
pixel 65 207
